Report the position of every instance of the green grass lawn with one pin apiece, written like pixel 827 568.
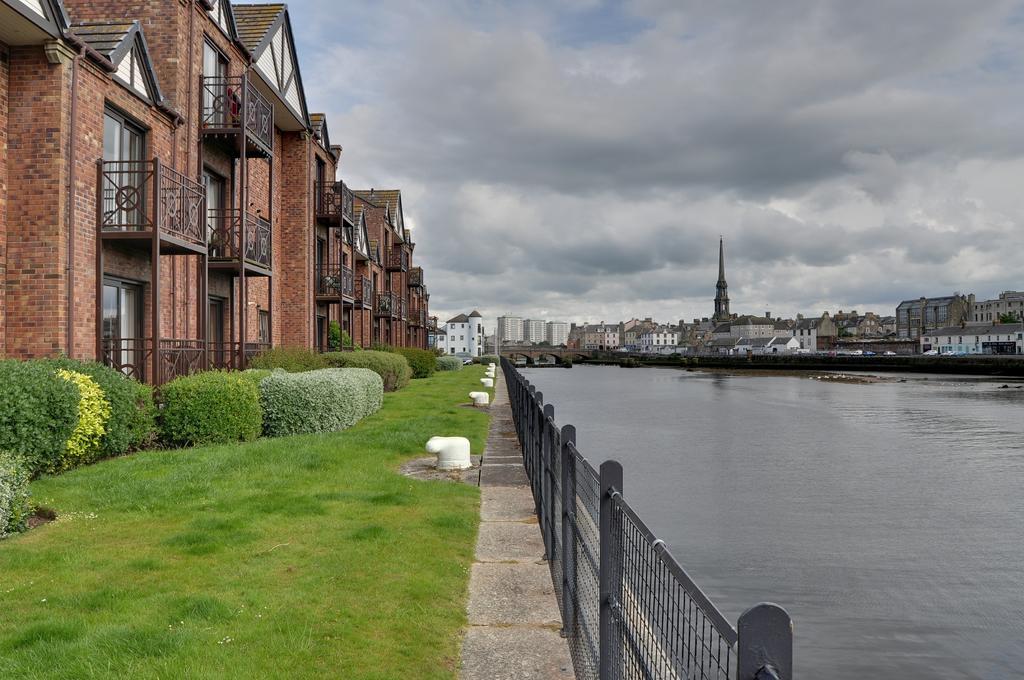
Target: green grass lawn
pixel 297 557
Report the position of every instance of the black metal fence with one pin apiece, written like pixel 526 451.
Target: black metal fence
pixel 629 610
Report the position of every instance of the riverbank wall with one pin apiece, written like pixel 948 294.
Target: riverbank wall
pixel 1004 366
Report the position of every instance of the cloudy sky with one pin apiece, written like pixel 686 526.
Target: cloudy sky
pixel 578 159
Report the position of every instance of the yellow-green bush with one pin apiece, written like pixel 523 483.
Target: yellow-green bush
pixel 86 442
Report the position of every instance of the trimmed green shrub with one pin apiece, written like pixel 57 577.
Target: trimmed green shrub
pixel 291 359
pixel 393 368
pixel 86 443
pixel 14 494
pixel 319 401
pixel 256 375
pixel 132 414
pixel 38 413
pixel 449 364
pixel 210 408
pixel 422 361
pixel 334 336
pixel 487 359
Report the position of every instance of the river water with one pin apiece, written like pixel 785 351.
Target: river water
pixel 887 518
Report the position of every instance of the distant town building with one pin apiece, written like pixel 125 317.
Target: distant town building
pixel 915 318
pixel 510 329
pixel 1008 303
pixel 745 326
pixel 462 334
pixel 534 330
pixel 975 339
pixel 601 336
pixel 556 333
pixel 632 330
pixel 658 340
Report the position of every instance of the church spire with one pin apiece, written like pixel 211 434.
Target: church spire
pixel 721 288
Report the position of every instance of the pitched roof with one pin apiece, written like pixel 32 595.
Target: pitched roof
pixel 385 198
pixel 124 44
pixel 461 318
pixel 254 21
pixel 319 123
pixel 986 329
pixel 476 313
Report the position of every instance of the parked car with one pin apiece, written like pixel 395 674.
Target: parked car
pixel 868 353
pixel 890 353
pixel 932 353
pixel 467 359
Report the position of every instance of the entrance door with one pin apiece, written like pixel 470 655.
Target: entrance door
pixel 124 348
pixel 216 222
pixel 124 176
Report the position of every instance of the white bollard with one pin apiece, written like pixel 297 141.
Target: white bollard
pixel 452 452
pixel 490 374
pixel 487 382
pixel 491 366
pixel 480 398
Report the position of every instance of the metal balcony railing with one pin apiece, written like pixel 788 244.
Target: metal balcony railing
pixel 334 280
pixel 334 202
pixel 226 228
pixel 232 104
pixel 398 259
pixel 134 357
pixel 364 292
pixel 416 277
pixel 138 196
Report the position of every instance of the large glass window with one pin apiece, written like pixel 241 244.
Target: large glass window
pixel 215 203
pixel 124 347
pixel 124 177
pixel 215 93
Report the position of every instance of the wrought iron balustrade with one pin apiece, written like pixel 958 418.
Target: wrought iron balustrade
pixel 387 305
pixel 134 357
pixel 140 196
pixel 334 202
pixel 364 292
pixel 416 277
pixel 226 228
pixel 334 280
pixel 233 104
pixel 398 258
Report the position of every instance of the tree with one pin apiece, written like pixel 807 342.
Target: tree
pixel 1008 317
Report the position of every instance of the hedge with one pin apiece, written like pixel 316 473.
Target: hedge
pixel 319 401
pixel 14 494
pixel 132 414
pixel 38 413
pixel 210 408
pixel 487 359
pixel 291 359
pixel 85 445
pixel 422 361
pixel 393 368
pixel 449 364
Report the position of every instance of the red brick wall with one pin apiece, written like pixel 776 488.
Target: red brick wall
pixel 4 61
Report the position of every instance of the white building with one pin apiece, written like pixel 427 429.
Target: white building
pixel 987 339
pixel 777 345
pixel 658 340
pixel 534 330
pixel 556 333
pixel 510 329
pixel 462 334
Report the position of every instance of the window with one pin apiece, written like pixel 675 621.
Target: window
pixel 264 322
pixel 215 333
pixel 124 200
pixel 124 347
pixel 216 93
pixel 216 233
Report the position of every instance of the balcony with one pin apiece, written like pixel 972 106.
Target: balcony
pixel 334 281
pixel 134 357
pixel 231 106
pixel 225 355
pixel 398 259
pixel 403 308
pixel 418 317
pixel 388 306
pixel 140 200
pixel 334 203
pixel 364 292
pixel 229 239
pixel 416 277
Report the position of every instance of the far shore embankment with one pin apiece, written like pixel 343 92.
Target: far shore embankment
pixel 1003 366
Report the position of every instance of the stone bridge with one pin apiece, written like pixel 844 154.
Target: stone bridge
pixel 533 354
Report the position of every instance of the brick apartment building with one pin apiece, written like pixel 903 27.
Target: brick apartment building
pixel 167 202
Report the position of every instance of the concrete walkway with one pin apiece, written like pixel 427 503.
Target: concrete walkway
pixel 513 617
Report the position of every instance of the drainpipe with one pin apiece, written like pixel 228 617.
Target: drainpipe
pixel 69 220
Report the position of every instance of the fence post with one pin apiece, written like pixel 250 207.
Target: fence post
pixel 549 480
pixel 611 481
pixel 765 644
pixel 568 530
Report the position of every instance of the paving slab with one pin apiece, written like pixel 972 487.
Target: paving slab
pixel 514 653
pixel 512 593
pixel 509 541
pixel 507 504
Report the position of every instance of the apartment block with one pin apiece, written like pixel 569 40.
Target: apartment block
pixel 556 333
pixel 534 330
pixel 510 329
pixel 167 202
